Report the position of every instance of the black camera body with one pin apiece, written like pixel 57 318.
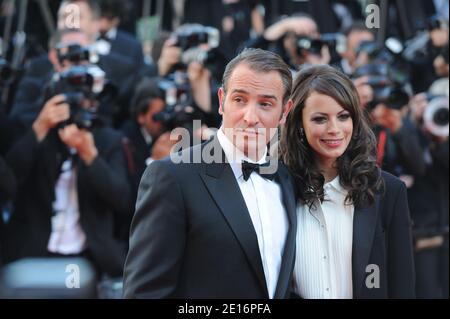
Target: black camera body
pixel 195 35
pixel 75 54
pixel 82 86
pixel 388 87
pixel 179 110
pixel 334 41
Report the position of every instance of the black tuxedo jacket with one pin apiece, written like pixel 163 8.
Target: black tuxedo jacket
pixel 192 235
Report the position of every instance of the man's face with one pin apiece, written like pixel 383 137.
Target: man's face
pixel 252 109
pixel 354 40
pixel 146 120
pixel 78 15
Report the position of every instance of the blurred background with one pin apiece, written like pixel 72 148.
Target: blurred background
pixel 91 89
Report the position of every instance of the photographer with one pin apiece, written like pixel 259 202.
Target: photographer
pixel 143 130
pixel 40 72
pixel 399 151
pixel 284 36
pixel 428 196
pixel 355 35
pixel 383 86
pixel 191 59
pixel 72 188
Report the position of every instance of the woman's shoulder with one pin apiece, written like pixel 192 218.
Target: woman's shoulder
pixel 391 182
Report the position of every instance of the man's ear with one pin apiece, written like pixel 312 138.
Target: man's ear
pixel 141 119
pixel 287 109
pixel 221 94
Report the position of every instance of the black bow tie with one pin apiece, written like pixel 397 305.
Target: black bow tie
pixel 249 168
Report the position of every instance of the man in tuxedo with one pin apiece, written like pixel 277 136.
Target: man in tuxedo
pixel 221 227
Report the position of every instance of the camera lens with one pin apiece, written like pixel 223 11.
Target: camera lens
pixel 441 117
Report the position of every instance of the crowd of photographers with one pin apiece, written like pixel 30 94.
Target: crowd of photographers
pixel 82 121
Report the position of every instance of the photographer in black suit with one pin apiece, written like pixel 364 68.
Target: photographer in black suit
pixel 71 172
pixel 142 130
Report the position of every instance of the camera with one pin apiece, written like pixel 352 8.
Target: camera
pixel 435 117
pixel 334 41
pixel 83 86
pixel 206 58
pixel 75 54
pixel 191 36
pixel 389 87
pixel 179 110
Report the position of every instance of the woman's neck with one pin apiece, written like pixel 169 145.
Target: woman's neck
pixel 328 169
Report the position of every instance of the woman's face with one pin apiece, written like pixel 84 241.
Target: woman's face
pixel 328 127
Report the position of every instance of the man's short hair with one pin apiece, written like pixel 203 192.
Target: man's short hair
pixel 111 9
pixel 261 61
pixel 146 91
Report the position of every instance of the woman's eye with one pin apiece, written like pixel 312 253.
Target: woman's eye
pixel 344 117
pixel 319 119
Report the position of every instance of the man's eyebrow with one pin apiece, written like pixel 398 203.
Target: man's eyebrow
pixel 240 91
pixel 264 96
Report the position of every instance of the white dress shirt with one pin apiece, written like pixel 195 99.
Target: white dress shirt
pixel 264 203
pixel 323 265
pixel 67 236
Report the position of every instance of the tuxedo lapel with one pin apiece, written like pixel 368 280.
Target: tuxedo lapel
pixel 364 224
pixel 224 189
pixel 289 248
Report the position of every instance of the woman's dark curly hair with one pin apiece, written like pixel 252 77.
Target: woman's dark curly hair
pixel 357 168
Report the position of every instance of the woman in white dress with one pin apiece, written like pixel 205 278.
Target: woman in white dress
pixel 354 229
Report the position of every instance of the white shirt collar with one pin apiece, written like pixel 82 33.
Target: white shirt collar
pixel 336 185
pixel 147 137
pixel 234 155
pixel 111 34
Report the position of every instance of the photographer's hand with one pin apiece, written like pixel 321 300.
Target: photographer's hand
pixel 81 140
pixel 54 112
pixel 199 78
pixel 170 55
pixel 163 146
pixel 316 59
pixel 417 105
pixel 293 24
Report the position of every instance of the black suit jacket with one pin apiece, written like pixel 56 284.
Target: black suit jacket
pixel 103 193
pixel 192 235
pixel 382 237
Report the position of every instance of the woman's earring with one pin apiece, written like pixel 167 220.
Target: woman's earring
pixel 302 135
